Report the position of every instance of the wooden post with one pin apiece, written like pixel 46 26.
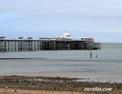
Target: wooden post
pixel 91 54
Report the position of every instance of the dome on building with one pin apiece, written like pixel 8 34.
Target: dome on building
pixel 65 35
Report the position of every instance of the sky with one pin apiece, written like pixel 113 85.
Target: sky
pixel 100 19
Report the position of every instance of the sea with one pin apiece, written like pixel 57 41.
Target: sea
pixel 104 65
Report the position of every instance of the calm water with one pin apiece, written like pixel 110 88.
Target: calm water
pixel 66 63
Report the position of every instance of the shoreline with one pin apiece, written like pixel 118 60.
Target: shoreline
pixel 22 91
pixel 54 84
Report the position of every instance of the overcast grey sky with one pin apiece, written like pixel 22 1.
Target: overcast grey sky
pixel 101 19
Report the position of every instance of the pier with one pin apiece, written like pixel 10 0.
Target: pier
pixel 7 45
pixel 62 42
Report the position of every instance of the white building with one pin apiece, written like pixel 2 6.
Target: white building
pixel 65 36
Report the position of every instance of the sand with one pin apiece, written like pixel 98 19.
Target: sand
pixel 52 85
pixel 20 91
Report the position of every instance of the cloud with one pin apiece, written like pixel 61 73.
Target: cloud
pixel 90 8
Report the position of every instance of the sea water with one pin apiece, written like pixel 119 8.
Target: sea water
pixel 105 64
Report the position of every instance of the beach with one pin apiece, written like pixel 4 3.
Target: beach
pixel 20 91
pixel 54 85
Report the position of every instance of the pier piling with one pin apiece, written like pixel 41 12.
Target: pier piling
pixel 8 45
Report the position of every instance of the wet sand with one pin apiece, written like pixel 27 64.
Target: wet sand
pixel 20 91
